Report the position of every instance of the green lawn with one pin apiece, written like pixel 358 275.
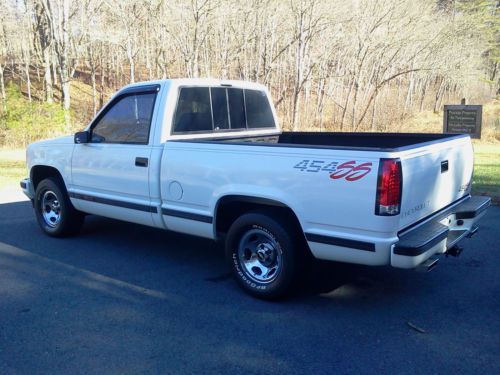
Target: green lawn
pixel 486 179
pixel 12 167
pixel 486 170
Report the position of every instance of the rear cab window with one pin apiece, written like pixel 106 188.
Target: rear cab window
pixel 219 109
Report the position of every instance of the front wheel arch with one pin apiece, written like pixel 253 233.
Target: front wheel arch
pixel 40 172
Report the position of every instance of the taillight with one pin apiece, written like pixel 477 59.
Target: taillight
pixel 389 187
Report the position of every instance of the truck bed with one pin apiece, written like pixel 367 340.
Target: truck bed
pixel 356 141
pixel 435 177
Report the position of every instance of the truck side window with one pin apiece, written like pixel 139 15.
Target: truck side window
pixel 258 110
pixel 236 108
pixel 127 121
pixel 219 108
pixel 193 110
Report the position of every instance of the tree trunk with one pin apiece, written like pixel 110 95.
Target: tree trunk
pixel 94 91
pixel 65 84
pixel 373 126
pixel 346 104
pixel 64 69
pixel 439 94
pixel 101 86
pixel 422 95
pixel 45 39
pixel 2 89
pixel 148 53
pixel 131 62
pixel 299 71
pixel 28 79
pixel 54 71
pixel 49 92
pixel 409 95
pixel 27 59
pixel 354 106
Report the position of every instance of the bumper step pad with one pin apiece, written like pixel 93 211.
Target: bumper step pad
pixel 420 240
pixel 424 237
pixel 472 207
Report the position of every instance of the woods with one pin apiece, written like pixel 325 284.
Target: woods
pixel 363 65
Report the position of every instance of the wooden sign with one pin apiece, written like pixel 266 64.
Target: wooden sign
pixel 463 119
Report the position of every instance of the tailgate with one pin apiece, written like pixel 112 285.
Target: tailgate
pixel 434 176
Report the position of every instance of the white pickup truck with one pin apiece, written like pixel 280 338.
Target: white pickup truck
pixel 207 158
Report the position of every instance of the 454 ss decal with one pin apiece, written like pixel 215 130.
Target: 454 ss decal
pixel 349 170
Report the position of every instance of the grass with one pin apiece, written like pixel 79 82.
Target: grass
pixel 486 179
pixel 486 169
pixel 12 167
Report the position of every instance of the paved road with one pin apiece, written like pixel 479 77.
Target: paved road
pixel 122 298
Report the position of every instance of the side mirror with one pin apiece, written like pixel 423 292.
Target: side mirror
pixel 82 137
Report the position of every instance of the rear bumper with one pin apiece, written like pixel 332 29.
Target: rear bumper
pixel 27 187
pixel 440 234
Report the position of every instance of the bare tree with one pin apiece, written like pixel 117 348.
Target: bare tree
pixel 44 37
pixel 330 64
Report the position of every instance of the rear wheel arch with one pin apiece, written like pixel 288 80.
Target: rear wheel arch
pixel 230 207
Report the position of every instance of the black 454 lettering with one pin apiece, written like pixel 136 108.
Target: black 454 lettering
pixel 308 165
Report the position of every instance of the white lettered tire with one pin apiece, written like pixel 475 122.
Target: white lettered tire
pixel 264 254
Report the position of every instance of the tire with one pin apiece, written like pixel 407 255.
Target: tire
pixel 54 212
pixel 264 254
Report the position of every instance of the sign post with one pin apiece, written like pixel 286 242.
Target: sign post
pixel 463 119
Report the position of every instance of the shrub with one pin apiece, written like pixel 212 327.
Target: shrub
pixel 23 122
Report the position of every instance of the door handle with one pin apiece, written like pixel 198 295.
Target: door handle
pixel 444 166
pixel 141 162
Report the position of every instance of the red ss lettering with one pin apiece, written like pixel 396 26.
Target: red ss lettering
pixel 351 171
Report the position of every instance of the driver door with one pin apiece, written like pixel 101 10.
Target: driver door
pixel 110 174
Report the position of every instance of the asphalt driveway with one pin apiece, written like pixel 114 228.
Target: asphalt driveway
pixel 123 298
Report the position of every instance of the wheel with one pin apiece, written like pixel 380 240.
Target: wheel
pixel 265 255
pixel 54 212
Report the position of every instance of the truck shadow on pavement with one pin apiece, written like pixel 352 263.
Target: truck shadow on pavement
pixel 159 258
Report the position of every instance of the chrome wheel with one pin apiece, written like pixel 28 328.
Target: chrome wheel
pixel 50 208
pixel 260 256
